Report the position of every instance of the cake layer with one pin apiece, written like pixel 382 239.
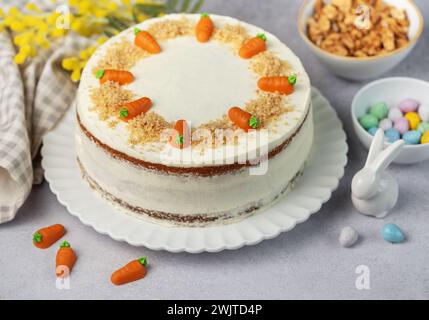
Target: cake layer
pixel 189 199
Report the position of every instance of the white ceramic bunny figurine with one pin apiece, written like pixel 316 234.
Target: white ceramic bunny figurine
pixel 374 191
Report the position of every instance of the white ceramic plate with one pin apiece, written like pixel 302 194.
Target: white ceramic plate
pixel 321 176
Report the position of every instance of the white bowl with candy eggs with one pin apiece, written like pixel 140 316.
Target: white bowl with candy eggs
pixel 407 114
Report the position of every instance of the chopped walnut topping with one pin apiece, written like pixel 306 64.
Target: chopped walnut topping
pixel 170 29
pixel 147 127
pixel 267 64
pixel 108 98
pixel 121 55
pixel 232 34
pixel 267 107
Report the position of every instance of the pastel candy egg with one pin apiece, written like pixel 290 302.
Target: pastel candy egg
pixel 402 125
pixel 392 135
pixel 379 110
pixel 423 127
pixel 425 138
pixel 392 233
pixel 372 131
pixel 369 121
pixel 412 137
pixel 385 124
pixel 408 105
pixel 348 237
pixel 395 114
pixel 424 113
pixel 414 119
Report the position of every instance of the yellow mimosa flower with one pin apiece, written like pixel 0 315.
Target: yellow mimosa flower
pixel 70 63
pixel 32 7
pixel 75 76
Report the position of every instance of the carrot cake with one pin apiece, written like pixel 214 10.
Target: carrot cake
pixel 193 120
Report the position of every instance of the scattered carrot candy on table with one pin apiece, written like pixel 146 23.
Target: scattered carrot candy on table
pixel 204 28
pixel 180 138
pixel 132 271
pixel 253 46
pixel 283 85
pixel 120 76
pixel 45 237
pixel 132 109
pixel 146 41
pixel 243 119
pixel 66 257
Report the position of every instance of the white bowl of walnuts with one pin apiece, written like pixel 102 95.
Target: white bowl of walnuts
pixel 357 39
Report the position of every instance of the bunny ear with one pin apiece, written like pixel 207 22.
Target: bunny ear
pixel 388 155
pixel 376 147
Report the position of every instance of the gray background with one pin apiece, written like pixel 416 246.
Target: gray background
pixel 305 263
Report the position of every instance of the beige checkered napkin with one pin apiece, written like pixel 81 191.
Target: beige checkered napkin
pixel 32 99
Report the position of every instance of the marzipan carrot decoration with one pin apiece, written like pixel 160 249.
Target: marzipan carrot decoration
pixel 132 271
pixel 65 257
pixel 134 108
pixel 283 85
pixel 243 119
pixel 253 46
pixel 120 76
pixel 146 41
pixel 204 28
pixel 181 135
pixel 45 237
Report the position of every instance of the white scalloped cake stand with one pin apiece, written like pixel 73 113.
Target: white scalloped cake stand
pixel 321 176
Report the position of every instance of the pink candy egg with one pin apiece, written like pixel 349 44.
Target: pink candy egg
pixel 385 124
pixel 408 105
pixel 395 114
pixel 402 125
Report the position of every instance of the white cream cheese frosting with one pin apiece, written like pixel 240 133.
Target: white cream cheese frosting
pixel 197 82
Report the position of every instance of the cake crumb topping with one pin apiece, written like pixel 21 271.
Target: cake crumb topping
pixel 267 107
pixel 147 127
pixel 267 64
pixel 108 98
pixel 234 34
pixel 170 29
pixel 121 55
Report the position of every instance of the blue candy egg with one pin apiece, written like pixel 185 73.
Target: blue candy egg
pixel 392 233
pixel 412 137
pixel 372 130
pixel 392 135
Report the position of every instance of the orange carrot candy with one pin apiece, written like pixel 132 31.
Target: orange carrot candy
pixel 283 85
pixel 132 271
pixel 243 119
pixel 146 41
pixel 65 257
pixel 45 237
pixel 120 76
pixel 180 137
pixel 253 46
pixel 204 28
pixel 134 108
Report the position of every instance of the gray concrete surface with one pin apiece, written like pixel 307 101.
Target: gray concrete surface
pixel 306 263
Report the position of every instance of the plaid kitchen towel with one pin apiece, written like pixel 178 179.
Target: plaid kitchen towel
pixel 33 98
